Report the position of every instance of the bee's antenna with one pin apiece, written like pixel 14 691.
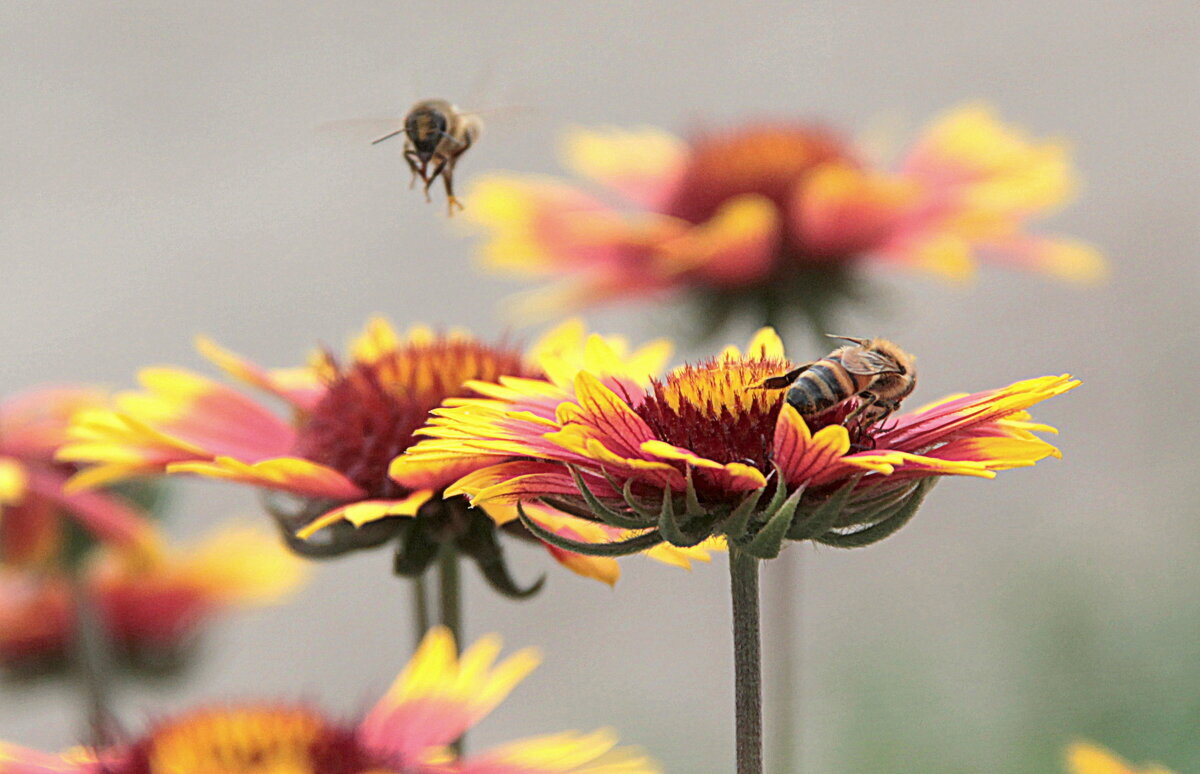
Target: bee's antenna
pixel 387 136
pixel 851 339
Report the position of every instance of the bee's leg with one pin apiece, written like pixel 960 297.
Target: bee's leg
pixel 414 164
pixel 866 401
pixel 437 170
pixel 448 181
pixel 779 382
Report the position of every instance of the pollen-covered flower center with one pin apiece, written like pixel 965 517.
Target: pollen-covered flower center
pixel 715 410
pixel 768 160
pixel 250 740
pixel 373 407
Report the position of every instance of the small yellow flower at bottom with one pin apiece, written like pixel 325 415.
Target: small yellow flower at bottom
pixel 1085 758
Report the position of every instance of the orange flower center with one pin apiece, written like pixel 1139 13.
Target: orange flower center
pixel 713 409
pixel 768 160
pixel 249 740
pixel 372 408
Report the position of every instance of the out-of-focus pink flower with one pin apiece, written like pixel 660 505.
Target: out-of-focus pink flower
pixel 773 213
pixel 433 702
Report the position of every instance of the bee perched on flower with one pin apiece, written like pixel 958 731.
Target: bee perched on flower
pixel 776 218
pixel 707 452
pixel 347 422
pixel 152 603
pixel 431 704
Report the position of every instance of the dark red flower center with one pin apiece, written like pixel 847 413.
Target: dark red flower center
pixel 373 407
pixel 769 160
pixel 249 740
pixel 714 410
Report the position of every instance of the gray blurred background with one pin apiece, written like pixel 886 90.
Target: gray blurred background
pixel 162 177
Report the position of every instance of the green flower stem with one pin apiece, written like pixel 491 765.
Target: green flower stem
pixel 450 599
pixel 90 652
pixel 747 660
pixel 783 599
pixel 420 608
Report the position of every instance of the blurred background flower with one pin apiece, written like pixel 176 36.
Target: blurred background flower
pixel 777 219
pixel 152 604
pixel 36 510
pixel 433 702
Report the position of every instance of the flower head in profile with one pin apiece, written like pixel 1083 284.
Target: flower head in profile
pixel 36 508
pixel 777 217
pixel 1083 758
pixel 433 702
pixel 706 452
pixel 345 424
pixel 152 604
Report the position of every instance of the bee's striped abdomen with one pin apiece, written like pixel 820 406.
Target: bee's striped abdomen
pixel 825 384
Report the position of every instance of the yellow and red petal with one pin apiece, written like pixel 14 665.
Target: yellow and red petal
pixel 238 563
pixel 286 474
pixel 565 753
pixel 968 414
pixel 841 209
pixel 568 349
pixel 367 511
pixel 34 424
pixel 438 696
pixel 806 457
pixel 520 479
pixel 302 387
pixel 969 145
pixel 738 245
pixel 19 760
pixel 1067 259
pixel 13 481
pixel 598 568
pixel 731 476
pixel 644 164
pixel 180 417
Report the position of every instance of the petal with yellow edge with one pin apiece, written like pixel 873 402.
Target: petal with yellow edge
pixel 566 753
pixel 290 474
pixel 367 511
pixel 643 164
pixel 439 695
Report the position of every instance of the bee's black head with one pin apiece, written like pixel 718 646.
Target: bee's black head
pixel 425 129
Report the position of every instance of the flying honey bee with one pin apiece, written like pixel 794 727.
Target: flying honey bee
pixel 436 134
pixel 875 371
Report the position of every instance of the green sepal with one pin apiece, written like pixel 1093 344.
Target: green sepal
pixel 633 545
pixel 670 528
pixel 333 541
pixel 824 516
pixel 735 525
pixel 635 505
pixel 600 511
pixel 886 526
pixel 416 550
pixel 691 500
pixel 479 542
pixel 768 542
pixel 779 495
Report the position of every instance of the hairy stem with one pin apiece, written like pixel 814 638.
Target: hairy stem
pixel 420 608
pixel 92 661
pixel 747 660
pixel 450 602
pixel 783 590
